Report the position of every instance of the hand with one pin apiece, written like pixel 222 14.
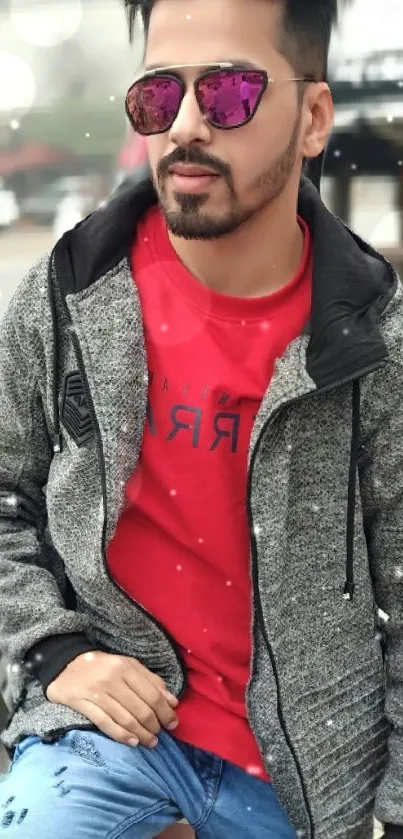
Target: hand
pixel 122 698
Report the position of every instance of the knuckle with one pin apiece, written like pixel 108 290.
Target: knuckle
pixel 156 699
pixel 164 710
pixel 147 718
pixel 159 683
pixel 99 716
pixel 127 720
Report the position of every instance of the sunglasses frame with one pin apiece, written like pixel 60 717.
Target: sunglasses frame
pixel 166 73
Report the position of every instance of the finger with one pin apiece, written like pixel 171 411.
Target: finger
pixel 105 724
pixel 114 721
pixel 155 680
pixel 151 696
pixel 134 705
pixel 148 674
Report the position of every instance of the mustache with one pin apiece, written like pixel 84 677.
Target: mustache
pixel 197 157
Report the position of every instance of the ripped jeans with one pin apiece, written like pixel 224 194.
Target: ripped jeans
pixel 86 786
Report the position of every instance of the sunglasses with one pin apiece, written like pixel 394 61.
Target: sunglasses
pixel 228 96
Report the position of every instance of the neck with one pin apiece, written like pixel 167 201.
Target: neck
pixel 256 260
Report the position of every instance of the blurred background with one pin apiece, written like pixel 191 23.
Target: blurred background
pixel 65 143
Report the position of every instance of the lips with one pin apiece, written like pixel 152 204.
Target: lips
pixel 190 171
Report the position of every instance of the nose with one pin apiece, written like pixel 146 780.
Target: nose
pixel 190 125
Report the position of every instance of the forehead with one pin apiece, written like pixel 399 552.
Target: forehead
pixel 200 31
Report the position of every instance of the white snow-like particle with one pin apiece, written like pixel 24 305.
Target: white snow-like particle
pixel 179 568
pixel 11 500
pixel 15 668
pixel 249 809
pixel 398 572
pixel 220 679
pixel 243 322
pixel 200 541
pixel 145 378
pixel 172 492
pixel 189 652
pixel 204 630
pixel 125 428
pixel 164 327
pixel 346 331
pixel 38 657
pixel 289 447
pixel 253 769
pixel 330 723
pixel 228 583
pixel 96 696
pixel 315 508
pixel 42 290
pixel 378 635
pixel 257 530
pixel 89 657
pixel 265 326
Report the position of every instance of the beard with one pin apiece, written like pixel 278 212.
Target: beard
pixel 187 217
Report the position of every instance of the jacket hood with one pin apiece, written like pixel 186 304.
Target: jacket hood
pixel 352 282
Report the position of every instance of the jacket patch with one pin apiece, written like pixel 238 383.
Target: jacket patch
pixel 75 413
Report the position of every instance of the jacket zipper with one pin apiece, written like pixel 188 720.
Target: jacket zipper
pixel 255 566
pixel 90 404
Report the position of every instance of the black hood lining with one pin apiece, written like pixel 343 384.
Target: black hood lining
pixel 352 282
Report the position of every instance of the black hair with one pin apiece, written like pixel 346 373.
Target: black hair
pixel 306 31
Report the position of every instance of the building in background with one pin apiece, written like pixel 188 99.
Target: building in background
pixel 65 66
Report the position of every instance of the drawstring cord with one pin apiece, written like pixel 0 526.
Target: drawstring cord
pixel 349 585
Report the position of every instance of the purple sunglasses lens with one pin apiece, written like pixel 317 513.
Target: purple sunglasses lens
pixel 230 97
pixel 153 104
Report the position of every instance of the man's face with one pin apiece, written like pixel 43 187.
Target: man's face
pixel 254 162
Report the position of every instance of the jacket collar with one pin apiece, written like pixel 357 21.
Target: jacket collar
pixel 352 283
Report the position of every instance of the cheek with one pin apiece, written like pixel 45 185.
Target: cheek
pixel 156 148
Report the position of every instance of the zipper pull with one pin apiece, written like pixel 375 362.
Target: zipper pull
pixel 57 443
pixel 349 589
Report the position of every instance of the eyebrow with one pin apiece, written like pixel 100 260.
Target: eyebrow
pixel 229 62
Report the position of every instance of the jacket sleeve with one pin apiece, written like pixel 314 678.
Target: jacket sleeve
pixel 382 499
pixel 32 579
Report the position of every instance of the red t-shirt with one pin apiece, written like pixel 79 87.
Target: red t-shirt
pixel 181 547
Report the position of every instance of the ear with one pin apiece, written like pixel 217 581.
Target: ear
pixel 318 117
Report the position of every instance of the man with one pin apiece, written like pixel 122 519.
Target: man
pixel 201 473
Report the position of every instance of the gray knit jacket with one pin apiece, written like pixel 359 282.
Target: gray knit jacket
pixel 324 502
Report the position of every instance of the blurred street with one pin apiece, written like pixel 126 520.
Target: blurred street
pixel 19 249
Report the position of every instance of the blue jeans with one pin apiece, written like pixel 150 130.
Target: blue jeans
pixel 86 786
